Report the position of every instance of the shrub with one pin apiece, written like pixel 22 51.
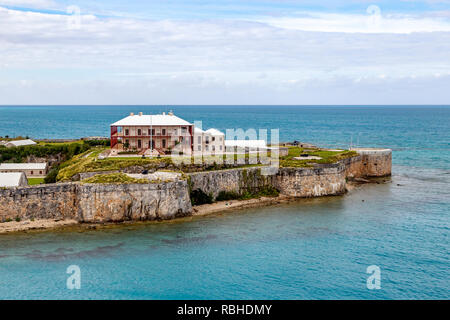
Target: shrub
pixel 51 175
pixel 227 195
pixel 17 219
pixel 199 197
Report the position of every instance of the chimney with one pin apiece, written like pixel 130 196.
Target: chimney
pixel 131 114
pixel 140 114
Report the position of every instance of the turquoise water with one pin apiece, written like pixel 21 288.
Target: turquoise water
pixel 309 249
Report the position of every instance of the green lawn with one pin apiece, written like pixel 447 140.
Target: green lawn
pixel 327 156
pixel 35 181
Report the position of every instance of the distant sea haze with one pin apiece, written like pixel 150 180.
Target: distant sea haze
pixel 310 249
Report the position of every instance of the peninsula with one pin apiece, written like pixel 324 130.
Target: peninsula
pixel 143 173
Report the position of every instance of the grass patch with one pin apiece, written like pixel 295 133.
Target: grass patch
pixel 328 157
pixel 35 181
pixel 113 178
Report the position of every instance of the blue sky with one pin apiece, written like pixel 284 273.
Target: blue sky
pixel 224 52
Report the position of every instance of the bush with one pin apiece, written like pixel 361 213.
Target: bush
pixel 94 143
pixel 267 191
pixel 199 197
pixel 18 219
pixel 52 174
pixel 19 154
pixel 227 195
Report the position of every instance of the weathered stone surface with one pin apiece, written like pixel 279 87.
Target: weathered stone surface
pixel 97 202
pixel 231 180
pixel 118 202
pixel 371 162
pixel 307 182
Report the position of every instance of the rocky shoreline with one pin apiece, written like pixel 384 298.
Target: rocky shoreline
pixel 48 225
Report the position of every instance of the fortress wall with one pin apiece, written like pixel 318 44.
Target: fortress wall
pixel 230 180
pixel 294 182
pixel 375 162
pixel 53 201
pixel 102 202
pixel 96 202
pixel 118 202
pixel 307 182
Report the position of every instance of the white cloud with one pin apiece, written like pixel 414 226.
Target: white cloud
pixel 28 3
pixel 358 23
pixel 164 61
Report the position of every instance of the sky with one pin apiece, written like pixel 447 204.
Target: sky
pixel 224 52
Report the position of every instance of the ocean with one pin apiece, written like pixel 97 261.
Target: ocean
pixel 309 249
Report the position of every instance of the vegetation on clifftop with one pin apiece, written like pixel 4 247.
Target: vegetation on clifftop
pixel 328 157
pixel 114 178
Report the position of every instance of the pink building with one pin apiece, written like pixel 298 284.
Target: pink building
pixel 152 134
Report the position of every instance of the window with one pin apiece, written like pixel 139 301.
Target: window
pixel 127 132
pixel 139 132
pixel 163 143
pixel 149 132
pixel 163 132
pixel 213 138
pixel 206 148
pixel 40 172
pixel 153 132
pixel 199 140
pixel 213 148
pixel 31 172
pixel 221 138
pixel 220 148
pixel 139 144
pixel 199 148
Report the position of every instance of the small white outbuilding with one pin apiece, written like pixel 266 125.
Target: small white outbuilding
pixel 13 179
pixel 20 143
pixel 36 170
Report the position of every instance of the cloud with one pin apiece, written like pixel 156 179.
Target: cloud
pixel 112 60
pixel 28 3
pixel 373 22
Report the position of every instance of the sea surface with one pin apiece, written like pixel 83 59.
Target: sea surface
pixel 309 249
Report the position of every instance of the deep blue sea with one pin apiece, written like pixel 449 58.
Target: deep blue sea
pixel 310 249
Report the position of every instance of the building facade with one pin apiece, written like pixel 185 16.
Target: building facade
pixel 209 142
pixel 31 170
pixel 152 134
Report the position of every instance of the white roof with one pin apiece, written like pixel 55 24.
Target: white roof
pixel 198 130
pixel 246 143
pixel 19 143
pixel 23 166
pixel 154 119
pixel 214 132
pixel 11 179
